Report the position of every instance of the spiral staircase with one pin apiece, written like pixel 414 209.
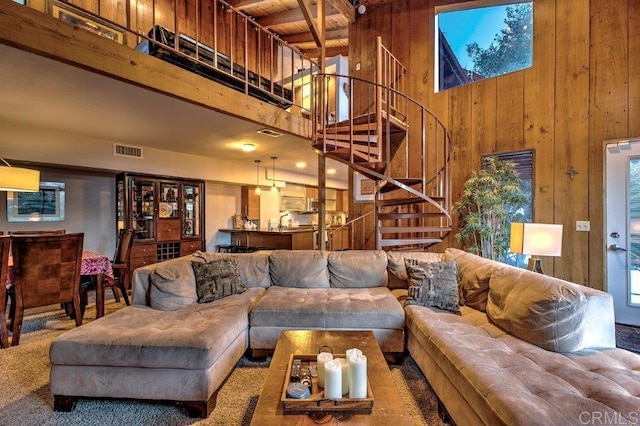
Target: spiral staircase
pixel 394 141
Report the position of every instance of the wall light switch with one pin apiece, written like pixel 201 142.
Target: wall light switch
pixel 583 226
pixel 358 66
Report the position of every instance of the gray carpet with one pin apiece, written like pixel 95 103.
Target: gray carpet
pixel 25 398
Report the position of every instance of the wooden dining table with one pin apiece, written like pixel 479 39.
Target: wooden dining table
pixel 94 265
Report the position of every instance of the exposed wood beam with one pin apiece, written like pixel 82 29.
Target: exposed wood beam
pixel 305 7
pixel 329 51
pixel 345 8
pixel 341 33
pixel 293 16
pixel 247 4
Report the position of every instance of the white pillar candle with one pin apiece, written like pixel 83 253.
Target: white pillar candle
pixel 345 375
pixel 354 351
pixel 333 379
pixel 358 376
pixel 321 359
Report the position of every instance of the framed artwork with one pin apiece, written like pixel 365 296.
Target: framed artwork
pixel 46 205
pixel 364 189
pixel 65 13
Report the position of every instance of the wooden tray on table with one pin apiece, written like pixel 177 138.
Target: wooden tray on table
pixel 317 402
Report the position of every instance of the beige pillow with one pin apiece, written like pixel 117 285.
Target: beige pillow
pixel 397 270
pixel 172 286
pixel 358 268
pixel 299 268
pixel 539 309
pixel 473 277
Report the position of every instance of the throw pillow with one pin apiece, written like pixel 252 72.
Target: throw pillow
pixel 433 284
pixel 217 279
pixel 172 286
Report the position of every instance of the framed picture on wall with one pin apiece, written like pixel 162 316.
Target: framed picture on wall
pixel 364 189
pixel 46 205
pixel 65 13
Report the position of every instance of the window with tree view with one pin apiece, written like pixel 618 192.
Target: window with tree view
pixel 483 42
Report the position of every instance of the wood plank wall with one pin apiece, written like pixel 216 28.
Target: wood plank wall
pixel 583 89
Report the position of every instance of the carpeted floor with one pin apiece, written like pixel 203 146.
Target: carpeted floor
pixel 25 398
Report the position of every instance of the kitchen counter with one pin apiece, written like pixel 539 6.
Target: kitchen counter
pixel 287 238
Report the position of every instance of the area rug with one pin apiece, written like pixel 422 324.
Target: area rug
pixel 25 397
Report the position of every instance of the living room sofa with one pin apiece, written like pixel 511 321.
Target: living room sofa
pixel 525 349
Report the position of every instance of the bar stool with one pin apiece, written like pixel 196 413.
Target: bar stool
pixel 224 248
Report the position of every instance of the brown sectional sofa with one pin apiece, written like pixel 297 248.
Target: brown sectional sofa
pixel 168 347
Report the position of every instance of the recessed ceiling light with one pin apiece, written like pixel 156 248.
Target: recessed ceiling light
pixel 301 164
pixel 248 147
pixel 331 171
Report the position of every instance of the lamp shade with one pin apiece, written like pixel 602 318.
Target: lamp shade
pixel 18 179
pixel 536 239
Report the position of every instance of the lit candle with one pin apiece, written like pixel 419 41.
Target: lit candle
pixel 358 376
pixel 345 375
pixel 321 359
pixel 333 379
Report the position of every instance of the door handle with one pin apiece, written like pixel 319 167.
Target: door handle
pixel 614 247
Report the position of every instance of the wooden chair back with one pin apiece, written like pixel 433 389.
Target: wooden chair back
pixel 47 272
pixel 40 232
pixel 5 246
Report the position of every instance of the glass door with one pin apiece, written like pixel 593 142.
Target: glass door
pixel 623 229
pixel 143 208
pixel 191 211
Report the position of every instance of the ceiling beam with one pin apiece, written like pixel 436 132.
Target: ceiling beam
pixel 329 51
pixel 340 33
pixel 345 8
pixel 247 4
pixel 293 16
pixel 305 7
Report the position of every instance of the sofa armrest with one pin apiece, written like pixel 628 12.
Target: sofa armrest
pixel 599 320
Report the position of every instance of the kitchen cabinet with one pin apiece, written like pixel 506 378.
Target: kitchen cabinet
pixel 312 192
pixel 166 214
pixel 294 190
pixel 250 203
pixel 342 201
pixel 288 238
pixel 339 238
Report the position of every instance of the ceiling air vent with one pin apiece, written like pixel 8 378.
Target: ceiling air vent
pixel 127 151
pixel 270 132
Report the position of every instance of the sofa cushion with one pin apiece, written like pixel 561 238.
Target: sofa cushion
pixel 172 286
pixel 299 268
pixel 473 277
pixel 253 267
pixel 398 272
pixel 217 279
pixel 353 308
pixel 539 309
pixel 358 268
pixel 433 284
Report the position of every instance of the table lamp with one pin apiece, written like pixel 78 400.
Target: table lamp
pixel 536 239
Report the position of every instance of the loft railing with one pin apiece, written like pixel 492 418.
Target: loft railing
pixel 220 38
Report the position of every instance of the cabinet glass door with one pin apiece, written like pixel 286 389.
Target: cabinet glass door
pixel 168 203
pixel 191 211
pixel 143 194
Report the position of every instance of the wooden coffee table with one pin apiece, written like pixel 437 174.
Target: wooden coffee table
pixel 388 407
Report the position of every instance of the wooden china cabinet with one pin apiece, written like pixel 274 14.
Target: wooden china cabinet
pixel 167 215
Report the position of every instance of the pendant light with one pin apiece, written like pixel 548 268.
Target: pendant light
pixel 274 188
pixel 17 179
pixel 258 190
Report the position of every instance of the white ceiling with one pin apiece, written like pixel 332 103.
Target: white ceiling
pixel 38 91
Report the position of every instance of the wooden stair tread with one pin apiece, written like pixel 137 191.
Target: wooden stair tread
pixel 408 241
pixel 348 137
pixel 398 216
pixel 403 201
pixel 406 181
pixel 412 229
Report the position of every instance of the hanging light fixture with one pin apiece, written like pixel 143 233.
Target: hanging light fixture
pixel 17 179
pixel 258 190
pixel 274 188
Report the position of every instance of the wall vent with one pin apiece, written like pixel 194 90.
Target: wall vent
pixel 269 132
pixel 127 151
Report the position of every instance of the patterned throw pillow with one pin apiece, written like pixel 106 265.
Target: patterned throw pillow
pixel 217 279
pixel 433 284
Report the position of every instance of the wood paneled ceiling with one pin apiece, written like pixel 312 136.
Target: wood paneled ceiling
pixel 287 19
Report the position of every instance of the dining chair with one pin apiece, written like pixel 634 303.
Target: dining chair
pixel 5 246
pixel 120 265
pixel 11 294
pixel 47 272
